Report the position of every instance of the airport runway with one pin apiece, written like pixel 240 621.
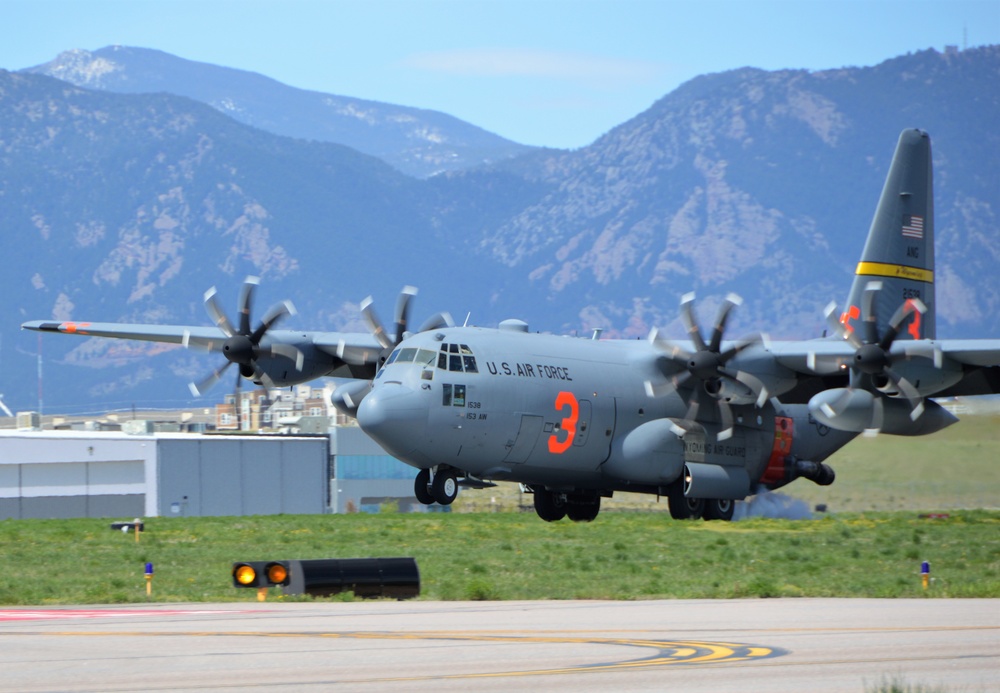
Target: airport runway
pixel 748 645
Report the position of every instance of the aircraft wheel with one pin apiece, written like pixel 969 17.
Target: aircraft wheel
pixel 550 506
pixel 444 488
pixel 720 509
pixel 422 487
pixel 584 512
pixel 682 507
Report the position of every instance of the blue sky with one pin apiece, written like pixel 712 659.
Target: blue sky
pixel 556 73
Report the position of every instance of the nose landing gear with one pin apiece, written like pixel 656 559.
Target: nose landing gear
pixel 442 489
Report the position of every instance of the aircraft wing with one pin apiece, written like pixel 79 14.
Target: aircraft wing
pixel 207 338
pixel 818 362
pixel 972 352
pixel 344 354
pixel 353 348
pixel 814 356
pixel 980 359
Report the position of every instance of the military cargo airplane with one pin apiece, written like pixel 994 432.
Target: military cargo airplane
pixel 704 422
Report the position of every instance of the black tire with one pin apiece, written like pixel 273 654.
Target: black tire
pixel 549 506
pixel 584 512
pixel 682 507
pixel 422 487
pixel 719 509
pixel 444 488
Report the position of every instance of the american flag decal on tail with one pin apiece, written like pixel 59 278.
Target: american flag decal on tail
pixel 913 226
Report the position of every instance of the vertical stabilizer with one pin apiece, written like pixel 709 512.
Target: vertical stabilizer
pixel 899 251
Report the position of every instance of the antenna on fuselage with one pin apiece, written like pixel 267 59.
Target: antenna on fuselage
pixel 467 316
pixel 597 333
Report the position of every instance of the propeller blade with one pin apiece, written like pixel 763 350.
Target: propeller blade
pixel 374 324
pixel 246 302
pixel 403 311
pixel 907 390
pixel 217 314
pixel 730 302
pixel 878 415
pixel 690 322
pixel 756 386
pixel 237 408
pixel 273 315
pixel 659 389
pixel 924 349
pixel 838 327
pixel 868 312
pixel 437 321
pixel 835 409
pixel 726 419
pixel 206 384
pixel 692 411
pixel 909 307
pixel 747 341
pixel 666 346
pixel 289 352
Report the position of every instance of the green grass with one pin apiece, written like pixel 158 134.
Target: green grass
pixel 516 556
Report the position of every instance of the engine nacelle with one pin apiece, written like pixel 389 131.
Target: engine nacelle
pixel 844 409
pixel 651 454
pixel 854 410
pixel 347 398
pixel 732 391
pixel 715 481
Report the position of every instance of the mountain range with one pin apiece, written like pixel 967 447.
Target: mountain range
pixel 418 142
pixel 126 191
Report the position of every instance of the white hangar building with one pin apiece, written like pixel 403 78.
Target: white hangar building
pixel 65 474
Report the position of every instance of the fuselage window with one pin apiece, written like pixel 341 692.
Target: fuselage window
pixel 446 395
pixel 455 363
pixel 392 357
pixel 453 348
pixel 470 364
pixel 459 400
pixel 443 360
pixel 425 357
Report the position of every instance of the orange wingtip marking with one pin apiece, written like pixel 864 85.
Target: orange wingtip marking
pixel 74 327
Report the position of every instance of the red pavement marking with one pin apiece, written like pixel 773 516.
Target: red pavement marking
pixel 49 614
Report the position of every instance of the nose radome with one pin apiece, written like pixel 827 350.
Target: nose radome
pixel 395 416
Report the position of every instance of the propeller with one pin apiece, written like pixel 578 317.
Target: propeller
pixel 873 360
pixel 243 346
pixel 706 367
pixel 389 340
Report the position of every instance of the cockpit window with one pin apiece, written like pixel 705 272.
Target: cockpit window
pixel 424 357
pixel 457 358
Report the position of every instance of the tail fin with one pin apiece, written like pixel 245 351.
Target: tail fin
pixel 899 251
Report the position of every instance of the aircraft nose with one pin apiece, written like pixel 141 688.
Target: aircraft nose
pixel 395 416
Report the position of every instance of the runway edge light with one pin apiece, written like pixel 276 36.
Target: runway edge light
pixel 395 578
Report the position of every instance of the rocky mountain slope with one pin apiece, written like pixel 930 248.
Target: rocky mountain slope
pixel 416 141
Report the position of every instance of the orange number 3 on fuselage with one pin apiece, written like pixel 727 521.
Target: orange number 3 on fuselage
pixel 567 425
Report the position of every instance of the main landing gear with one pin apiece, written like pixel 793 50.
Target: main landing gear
pixel 684 508
pixel 553 506
pixel 443 488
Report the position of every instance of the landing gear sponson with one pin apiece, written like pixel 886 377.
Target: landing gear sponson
pixel 553 506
